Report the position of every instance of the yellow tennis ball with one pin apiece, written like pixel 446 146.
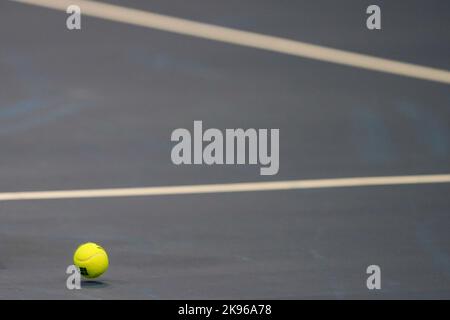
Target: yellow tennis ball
pixel 91 259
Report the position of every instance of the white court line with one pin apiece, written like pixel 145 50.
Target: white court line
pixel 245 38
pixel 228 187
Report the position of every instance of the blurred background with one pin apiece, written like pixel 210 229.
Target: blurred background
pixel 94 108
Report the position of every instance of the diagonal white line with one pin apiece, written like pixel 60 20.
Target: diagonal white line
pixel 228 187
pixel 245 38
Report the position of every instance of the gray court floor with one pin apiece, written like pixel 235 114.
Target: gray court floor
pixel 95 109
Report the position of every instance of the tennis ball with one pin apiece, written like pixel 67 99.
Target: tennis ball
pixel 91 259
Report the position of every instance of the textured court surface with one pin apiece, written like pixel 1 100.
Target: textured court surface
pixel 95 109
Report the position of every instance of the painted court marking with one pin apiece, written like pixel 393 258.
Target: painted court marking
pixel 248 39
pixel 245 38
pixel 228 187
